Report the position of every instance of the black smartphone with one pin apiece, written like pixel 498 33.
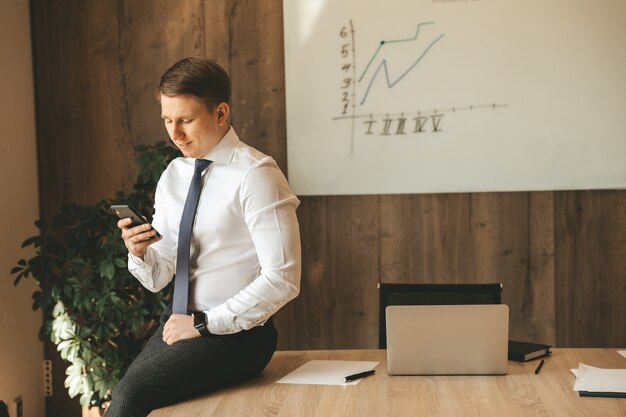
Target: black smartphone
pixel 124 211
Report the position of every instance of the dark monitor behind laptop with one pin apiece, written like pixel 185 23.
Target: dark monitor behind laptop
pixel 433 294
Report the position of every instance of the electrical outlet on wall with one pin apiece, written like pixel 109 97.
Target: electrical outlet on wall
pixel 47 377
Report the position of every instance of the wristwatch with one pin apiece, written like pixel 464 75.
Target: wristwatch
pixel 199 322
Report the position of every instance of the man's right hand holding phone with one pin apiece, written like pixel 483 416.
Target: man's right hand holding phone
pixel 138 238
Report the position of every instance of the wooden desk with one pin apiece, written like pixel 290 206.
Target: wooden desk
pixel 520 393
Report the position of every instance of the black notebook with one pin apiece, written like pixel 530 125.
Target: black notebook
pixel 525 351
pixel 602 394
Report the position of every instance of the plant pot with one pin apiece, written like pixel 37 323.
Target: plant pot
pixel 92 411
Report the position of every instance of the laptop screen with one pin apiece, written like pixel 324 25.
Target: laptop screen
pixel 433 294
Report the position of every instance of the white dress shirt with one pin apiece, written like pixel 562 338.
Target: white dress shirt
pixel 245 247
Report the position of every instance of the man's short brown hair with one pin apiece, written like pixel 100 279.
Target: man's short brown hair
pixel 200 77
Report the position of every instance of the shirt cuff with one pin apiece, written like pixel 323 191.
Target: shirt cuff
pixel 136 259
pixel 221 321
pixel 141 270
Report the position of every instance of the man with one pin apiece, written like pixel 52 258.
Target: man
pixel 230 236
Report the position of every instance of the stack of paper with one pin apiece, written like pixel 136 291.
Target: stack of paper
pixel 327 372
pixel 599 382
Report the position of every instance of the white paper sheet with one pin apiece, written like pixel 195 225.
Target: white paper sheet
pixel 622 352
pixel 594 379
pixel 320 372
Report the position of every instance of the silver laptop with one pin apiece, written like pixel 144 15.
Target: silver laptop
pixel 447 339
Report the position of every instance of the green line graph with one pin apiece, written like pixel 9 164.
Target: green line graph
pixel 383 64
pixel 383 42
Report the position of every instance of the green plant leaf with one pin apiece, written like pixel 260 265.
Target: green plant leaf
pixel 74 370
pixel 73 383
pixel 87 356
pixel 18 279
pixel 30 241
pixel 72 352
pixel 16 269
pixel 37 299
pixel 120 263
pixel 85 399
pixel 59 309
pixel 107 269
pixel 143 159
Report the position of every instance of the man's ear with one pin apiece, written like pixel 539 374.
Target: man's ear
pixel 223 111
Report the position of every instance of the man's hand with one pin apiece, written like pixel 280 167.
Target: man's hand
pixel 135 238
pixel 179 327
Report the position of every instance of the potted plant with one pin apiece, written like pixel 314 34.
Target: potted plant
pixel 95 312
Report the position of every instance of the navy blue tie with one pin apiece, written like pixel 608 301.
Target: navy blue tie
pixel 181 281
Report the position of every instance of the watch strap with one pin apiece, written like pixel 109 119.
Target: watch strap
pixel 199 322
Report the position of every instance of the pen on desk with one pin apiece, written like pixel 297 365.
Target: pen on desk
pixel 539 367
pixel 360 375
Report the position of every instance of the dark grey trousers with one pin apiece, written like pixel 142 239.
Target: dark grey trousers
pixel 162 375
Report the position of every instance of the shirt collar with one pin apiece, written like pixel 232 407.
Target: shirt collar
pixel 224 151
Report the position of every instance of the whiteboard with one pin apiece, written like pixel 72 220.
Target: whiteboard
pixel 432 96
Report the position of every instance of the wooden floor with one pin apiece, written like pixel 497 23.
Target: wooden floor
pixel 520 393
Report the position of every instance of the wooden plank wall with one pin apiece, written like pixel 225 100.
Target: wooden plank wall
pixel 560 255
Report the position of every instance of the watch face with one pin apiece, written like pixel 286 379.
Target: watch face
pixel 199 319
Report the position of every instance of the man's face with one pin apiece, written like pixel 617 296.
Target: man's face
pixel 192 127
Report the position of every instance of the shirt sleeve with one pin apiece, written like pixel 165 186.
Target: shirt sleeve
pixel 269 210
pixel 157 268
